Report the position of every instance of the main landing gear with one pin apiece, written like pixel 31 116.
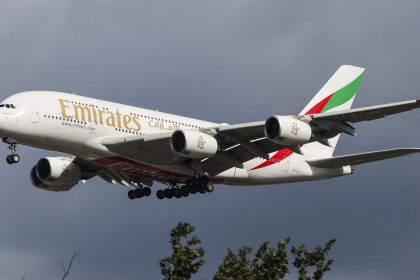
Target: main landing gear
pixel 192 186
pixel 14 157
pixel 139 192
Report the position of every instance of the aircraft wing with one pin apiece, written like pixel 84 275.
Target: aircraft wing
pixel 355 159
pixel 368 113
pixel 155 149
pixel 152 148
pixel 239 143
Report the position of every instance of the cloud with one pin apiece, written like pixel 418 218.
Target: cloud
pixel 236 61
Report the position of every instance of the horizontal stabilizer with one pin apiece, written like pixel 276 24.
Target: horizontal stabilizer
pixel 337 162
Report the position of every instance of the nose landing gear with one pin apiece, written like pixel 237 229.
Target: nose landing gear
pixel 14 157
pixel 11 159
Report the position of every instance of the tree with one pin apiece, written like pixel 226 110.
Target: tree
pixel 266 263
pixel 186 258
pixel 305 259
pixel 272 263
pixel 235 266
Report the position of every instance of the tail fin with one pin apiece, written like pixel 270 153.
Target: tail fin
pixel 337 94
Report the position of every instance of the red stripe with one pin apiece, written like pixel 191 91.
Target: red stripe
pixel 317 108
pixel 277 157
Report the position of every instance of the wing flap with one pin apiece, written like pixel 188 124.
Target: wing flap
pixel 218 164
pixel 355 159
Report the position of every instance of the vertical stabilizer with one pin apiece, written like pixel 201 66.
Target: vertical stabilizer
pixel 337 94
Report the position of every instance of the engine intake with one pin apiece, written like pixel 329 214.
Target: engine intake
pixel 287 130
pixel 55 174
pixel 193 144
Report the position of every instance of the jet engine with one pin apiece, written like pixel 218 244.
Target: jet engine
pixel 55 174
pixel 287 130
pixel 193 144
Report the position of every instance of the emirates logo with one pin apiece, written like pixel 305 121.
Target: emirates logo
pixel 200 142
pixel 295 128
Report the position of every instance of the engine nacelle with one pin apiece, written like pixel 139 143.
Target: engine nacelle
pixel 193 144
pixel 55 174
pixel 287 130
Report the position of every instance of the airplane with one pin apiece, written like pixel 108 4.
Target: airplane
pixel 136 147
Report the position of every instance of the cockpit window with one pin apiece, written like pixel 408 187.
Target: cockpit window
pixel 8 106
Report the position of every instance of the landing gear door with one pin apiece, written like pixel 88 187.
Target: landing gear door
pixel 34 115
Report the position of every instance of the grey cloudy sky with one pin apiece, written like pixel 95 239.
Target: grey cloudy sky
pixel 225 61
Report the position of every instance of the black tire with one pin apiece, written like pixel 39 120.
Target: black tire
pixel 210 188
pixel 15 158
pixel 147 191
pixel 131 194
pixel 190 183
pixel 168 193
pixel 160 194
pixel 139 193
pixel 9 159
pixel 201 189
pixel 202 181
pixel 177 193
pixel 192 189
pixel 184 191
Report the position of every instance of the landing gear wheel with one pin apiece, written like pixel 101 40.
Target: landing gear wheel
pixel 15 158
pixel 147 191
pixel 184 191
pixel 131 194
pixel 168 193
pixel 9 159
pixel 209 188
pixel 160 194
pixel 177 193
pixel 202 181
pixel 193 190
pixel 201 189
pixel 139 193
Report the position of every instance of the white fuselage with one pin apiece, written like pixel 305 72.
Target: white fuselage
pixel 75 125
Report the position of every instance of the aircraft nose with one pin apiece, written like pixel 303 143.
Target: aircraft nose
pixel 3 124
pixel 7 125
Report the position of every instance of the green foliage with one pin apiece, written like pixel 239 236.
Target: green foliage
pixel 266 263
pixel 186 257
pixel 305 259
pixel 235 266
